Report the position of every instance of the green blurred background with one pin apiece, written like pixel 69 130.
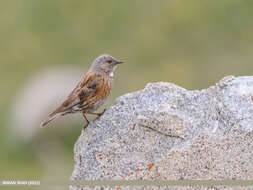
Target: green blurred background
pixel 190 43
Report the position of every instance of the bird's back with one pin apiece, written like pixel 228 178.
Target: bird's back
pixel 88 94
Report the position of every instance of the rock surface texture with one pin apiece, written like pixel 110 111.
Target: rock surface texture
pixel 165 132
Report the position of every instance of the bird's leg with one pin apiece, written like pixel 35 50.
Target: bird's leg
pixel 97 114
pixel 84 116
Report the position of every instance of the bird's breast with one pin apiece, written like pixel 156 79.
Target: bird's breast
pixel 107 85
pixel 102 92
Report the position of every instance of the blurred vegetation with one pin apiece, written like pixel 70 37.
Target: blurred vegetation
pixel 190 43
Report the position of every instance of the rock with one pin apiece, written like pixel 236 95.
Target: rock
pixel 165 132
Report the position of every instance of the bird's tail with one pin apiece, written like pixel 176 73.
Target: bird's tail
pixel 50 118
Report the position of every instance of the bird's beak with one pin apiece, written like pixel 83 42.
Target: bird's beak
pixel 119 62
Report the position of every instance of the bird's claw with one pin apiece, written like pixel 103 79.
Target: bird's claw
pixel 100 114
pixel 85 126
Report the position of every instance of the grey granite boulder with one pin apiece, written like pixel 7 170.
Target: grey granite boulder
pixel 165 132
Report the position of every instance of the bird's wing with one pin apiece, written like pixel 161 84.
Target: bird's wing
pixel 84 89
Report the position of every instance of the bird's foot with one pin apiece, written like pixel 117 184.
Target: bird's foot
pixel 85 126
pixel 99 114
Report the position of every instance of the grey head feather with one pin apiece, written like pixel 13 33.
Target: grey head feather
pixel 104 64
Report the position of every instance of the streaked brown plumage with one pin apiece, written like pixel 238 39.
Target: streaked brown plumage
pixel 91 92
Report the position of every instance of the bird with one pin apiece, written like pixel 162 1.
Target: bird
pixel 91 92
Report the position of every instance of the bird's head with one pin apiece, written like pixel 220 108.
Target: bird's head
pixel 105 64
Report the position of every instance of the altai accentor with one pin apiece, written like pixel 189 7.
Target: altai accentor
pixel 91 92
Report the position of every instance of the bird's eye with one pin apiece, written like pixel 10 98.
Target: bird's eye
pixel 110 61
